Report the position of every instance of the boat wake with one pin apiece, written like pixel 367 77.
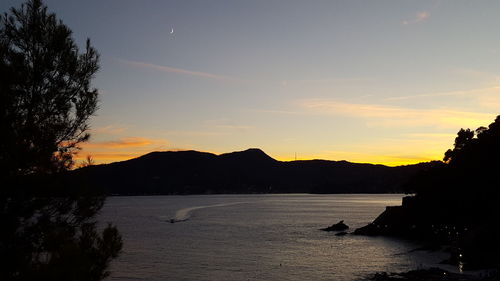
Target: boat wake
pixel 186 213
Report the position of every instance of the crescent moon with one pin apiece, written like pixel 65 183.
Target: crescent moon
pixel 172 31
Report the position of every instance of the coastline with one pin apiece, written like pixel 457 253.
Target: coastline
pixel 411 221
pixel 435 274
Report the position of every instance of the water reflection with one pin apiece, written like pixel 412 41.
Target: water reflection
pixel 270 237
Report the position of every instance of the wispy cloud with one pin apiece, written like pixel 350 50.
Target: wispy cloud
pixel 487 99
pixel 419 17
pixel 395 150
pixel 433 136
pixel 109 130
pixel 234 127
pixel 285 112
pixel 490 102
pixel 106 157
pixel 226 125
pixel 463 72
pixel 211 131
pixel 176 70
pixel 120 149
pixel 394 116
pixel 472 92
pixel 332 79
pixel 120 143
pixel 193 133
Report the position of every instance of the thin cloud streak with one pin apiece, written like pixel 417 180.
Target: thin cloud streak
pixel 225 124
pixel 419 17
pixel 491 102
pixel 285 112
pixel 234 127
pixel 427 136
pixel 120 143
pixel 393 116
pixel 176 70
pixel 196 133
pixel 105 157
pixel 120 149
pixel 109 130
pixel 473 92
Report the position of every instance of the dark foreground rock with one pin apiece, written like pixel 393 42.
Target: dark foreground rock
pixel 456 202
pixel 433 274
pixel 392 222
pixel 471 240
pixel 340 226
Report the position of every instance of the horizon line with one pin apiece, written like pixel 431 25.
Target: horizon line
pixel 123 157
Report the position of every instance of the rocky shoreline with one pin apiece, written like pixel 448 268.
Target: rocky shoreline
pixel 471 244
pixel 435 274
pixel 455 208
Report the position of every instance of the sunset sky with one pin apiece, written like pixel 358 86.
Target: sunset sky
pixel 387 82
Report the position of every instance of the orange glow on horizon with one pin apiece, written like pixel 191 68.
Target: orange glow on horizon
pixel 105 158
pixel 376 160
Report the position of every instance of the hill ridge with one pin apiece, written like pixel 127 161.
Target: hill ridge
pixel 247 171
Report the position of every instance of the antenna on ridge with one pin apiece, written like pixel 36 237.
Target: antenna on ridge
pixel 295 156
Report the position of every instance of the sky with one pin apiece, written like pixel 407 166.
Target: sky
pixel 386 82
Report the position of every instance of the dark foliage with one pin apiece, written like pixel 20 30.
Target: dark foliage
pixel 469 179
pixel 48 228
pixel 433 274
pixel 456 202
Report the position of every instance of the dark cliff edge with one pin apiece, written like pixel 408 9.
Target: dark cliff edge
pixel 249 171
pixel 457 203
pixel 473 241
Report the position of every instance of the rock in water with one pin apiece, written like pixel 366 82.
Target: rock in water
pixel 340 226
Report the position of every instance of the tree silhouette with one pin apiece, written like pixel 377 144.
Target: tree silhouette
pixel 463 139
pixel 462 193
pixel 48 225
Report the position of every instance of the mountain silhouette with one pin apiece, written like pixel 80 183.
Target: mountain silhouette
pixel 250 157
pixel 249 171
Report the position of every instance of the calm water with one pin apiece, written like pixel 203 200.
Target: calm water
pixel 253 237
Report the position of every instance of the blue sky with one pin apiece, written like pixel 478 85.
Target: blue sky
pixel 386 82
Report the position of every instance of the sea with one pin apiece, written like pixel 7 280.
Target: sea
pixel 255 237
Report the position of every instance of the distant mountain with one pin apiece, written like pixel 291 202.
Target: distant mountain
pixel 249 171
